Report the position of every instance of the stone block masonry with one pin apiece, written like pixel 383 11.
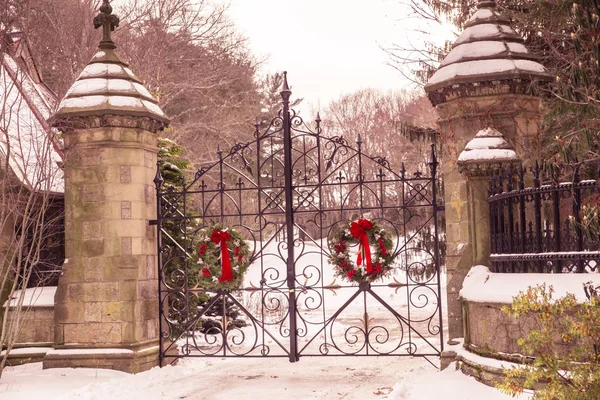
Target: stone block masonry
pixel 106 303
pixel 467 213
pixel 107 296
pixel 493 94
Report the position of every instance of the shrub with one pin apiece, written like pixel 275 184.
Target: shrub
pixel 564 342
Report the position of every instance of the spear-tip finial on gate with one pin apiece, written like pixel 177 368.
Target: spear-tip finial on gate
pixel 158 179
pixel 108 21
pixel 318 118
pixel 433 164
pixel 285 89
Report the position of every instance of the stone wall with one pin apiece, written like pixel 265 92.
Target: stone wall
pixel 37 326
pixel 517 117
pixel 490 332
pixel 35 335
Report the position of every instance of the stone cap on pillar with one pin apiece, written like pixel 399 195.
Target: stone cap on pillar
pixel 107 87
pixel 488 150
pixel 488 53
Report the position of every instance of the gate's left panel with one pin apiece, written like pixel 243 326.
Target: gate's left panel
pixel 243 191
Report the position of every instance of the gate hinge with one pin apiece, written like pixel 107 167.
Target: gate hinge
pixel 153 222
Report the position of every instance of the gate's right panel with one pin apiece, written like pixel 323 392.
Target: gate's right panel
pixel 337 186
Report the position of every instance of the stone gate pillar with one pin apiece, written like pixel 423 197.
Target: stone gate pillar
pixel 487 81
pixel 106 305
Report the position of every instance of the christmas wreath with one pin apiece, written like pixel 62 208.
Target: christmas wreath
pixel 222 256
pixel 372 263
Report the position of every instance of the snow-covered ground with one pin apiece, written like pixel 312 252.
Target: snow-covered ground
pixel 311 378
pixel 266 378
pixel 328 378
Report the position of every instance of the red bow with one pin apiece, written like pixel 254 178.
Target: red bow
pixel 358 230
pixel 220 238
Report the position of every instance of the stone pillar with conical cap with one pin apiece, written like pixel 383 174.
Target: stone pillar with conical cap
pixel 489 82
pixel 106 306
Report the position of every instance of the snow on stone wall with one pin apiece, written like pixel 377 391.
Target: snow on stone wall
pixel 483 286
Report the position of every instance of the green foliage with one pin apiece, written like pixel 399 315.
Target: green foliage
pixel 172 165
pixel 573 113
pixel 590 218
pixel 206 261
pixel 173 168
pixel 564 341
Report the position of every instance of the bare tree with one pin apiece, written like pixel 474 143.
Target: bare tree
pixel 62 36
pixel 199 68
pixel 187 52
pixel 382 123
pixel 379 118
pixel 30 186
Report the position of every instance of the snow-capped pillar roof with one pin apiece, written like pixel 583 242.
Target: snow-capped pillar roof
pixel 107 86
pixel 487 53
pixel 487 150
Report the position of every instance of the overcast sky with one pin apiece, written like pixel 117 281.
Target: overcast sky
pixel 328 47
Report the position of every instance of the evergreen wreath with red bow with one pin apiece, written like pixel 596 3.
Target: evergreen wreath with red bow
pixel 375 257
pixel 222 256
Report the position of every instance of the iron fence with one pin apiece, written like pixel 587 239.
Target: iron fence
pixel 536 222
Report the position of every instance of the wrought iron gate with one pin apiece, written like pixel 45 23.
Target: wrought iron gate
pixel 286 192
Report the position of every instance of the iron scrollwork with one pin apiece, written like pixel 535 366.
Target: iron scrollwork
pixel 287 191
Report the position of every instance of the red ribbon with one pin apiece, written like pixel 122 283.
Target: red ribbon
pixel 382 247
pixel 220 238
pixel 358 230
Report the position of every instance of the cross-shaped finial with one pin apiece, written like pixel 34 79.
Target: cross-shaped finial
pixel 108 22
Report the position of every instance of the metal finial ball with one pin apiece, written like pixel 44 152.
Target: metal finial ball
pixel 106 8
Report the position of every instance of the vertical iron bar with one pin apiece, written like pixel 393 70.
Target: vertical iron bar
pixel 556 211
pixel 492 217
pixel 491 211
pixel 260 225
pixel 289 214
pixel 320 183
pixel 221 188
pixel 304 158
pixel 434 165
pixel 158 181
pixel 501 212
pixel 340 178
pixel 360 175
pixel 577 215
pixel 522 221
pixel 405 246
pixel 511 220
pixel 224 319
pixel 240 185
pixel 221 184
pixel 381 193
pixel 186 247
pixel 366 323
pixel 537 204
